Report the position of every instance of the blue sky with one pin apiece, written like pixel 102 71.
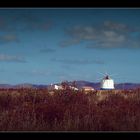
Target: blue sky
pixel 43 46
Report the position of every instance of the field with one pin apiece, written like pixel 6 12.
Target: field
pixel 40 110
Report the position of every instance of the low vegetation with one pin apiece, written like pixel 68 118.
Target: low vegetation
pixel 67 110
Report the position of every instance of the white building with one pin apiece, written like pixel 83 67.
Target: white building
pixel 55 87
pixel 73 88
pixel 87 89
pixel 60 87
pixel 107 83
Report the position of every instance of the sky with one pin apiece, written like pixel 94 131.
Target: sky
pixel 51 45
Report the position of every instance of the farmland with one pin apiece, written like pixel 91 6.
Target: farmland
pixel 28 109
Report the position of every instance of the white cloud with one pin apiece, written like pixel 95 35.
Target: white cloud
pixel 108 34
pixel 112 36
pixel 115 26
pixel 35 72
pixel 8 38
pixel 83 32
pixel 78 61
pixel 47 50
pixel 11 58
pixel 70 42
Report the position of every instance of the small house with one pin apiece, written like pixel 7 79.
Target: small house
pixel 87 89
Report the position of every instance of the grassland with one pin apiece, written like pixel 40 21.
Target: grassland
pixel 40 110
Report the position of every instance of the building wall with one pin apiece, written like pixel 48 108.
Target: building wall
pixel 107 84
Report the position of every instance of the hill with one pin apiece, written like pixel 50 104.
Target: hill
pixel 79 85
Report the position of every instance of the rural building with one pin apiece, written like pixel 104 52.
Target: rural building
pixel 55 87
pixel 60 87
pixel 87 89
pixel 73 88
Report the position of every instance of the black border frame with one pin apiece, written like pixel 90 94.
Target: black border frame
pixel 69 4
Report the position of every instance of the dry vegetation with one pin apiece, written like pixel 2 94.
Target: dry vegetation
pixel 40 110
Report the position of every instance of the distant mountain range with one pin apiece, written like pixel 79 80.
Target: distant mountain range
pixel 117 86
pixel 22 86
pixel 79 85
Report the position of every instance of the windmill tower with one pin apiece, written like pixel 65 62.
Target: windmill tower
pixel 107 83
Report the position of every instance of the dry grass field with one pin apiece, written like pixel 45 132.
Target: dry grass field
pixel 67 110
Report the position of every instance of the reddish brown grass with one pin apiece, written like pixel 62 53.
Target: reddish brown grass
pixel 67 110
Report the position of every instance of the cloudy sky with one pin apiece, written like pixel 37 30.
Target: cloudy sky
pixel 43 46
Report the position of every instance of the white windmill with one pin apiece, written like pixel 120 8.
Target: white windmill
pixel 107 83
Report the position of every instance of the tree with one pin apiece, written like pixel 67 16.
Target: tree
pixel 74 84
pixel 65 85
